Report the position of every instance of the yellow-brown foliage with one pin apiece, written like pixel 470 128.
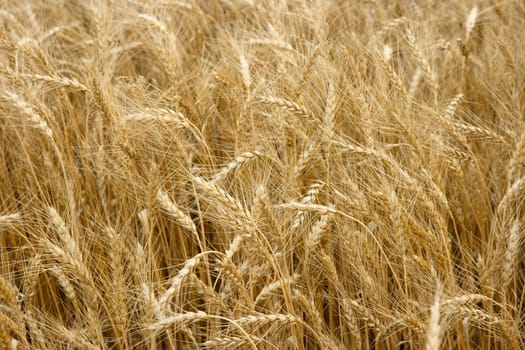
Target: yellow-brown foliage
pixel 270 174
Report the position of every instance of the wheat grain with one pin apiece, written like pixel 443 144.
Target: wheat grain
pixel 434 328
pixel 301 207
pixel 9 219
pixel 72 257
pixel 316 318
pixel 517 161
pixel 167 116
pixel 329 113
pixel 262 209
pixel 65 284
pixel 422 61
pixel 290 106
pixel 213 298
pixel 119 294
pixel 309 197
pixel 262 320
pixel 221 196
pixel 57 81
pixel 511 254
pixel 392 75
pixel 176 282
pixel 390 27
pixel 271 287
pixel 235 163
pixel 513 192
pixel 452 106
pixel 307 71
pixel 7 291
pixel 318 229
pixel 470 23
pixel 393 141
pixel 224 342
pixel 171 208
pixel 304 159
pixel 282 45
pixel 154 22
pixel 463 300
pixel 414 84
pixel 178 320
pixel 245 72
pixel 35 119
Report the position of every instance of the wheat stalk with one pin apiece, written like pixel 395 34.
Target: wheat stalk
pixel 316 318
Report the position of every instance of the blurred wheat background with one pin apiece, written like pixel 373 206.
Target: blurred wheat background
pixel 262 174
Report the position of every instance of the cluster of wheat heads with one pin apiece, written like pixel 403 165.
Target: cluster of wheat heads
pixel 281 174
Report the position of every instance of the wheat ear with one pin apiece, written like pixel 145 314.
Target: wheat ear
pixel 434 329
pixel 35 119
pixel 234 164
pixel 171 208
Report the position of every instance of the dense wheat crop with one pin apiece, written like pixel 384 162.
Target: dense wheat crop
pixel 262 174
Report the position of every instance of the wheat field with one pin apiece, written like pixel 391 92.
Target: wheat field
pixel 262 174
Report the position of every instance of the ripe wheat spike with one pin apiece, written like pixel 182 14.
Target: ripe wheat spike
pixel 253 174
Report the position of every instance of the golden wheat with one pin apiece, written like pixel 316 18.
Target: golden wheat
pixel 292 174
